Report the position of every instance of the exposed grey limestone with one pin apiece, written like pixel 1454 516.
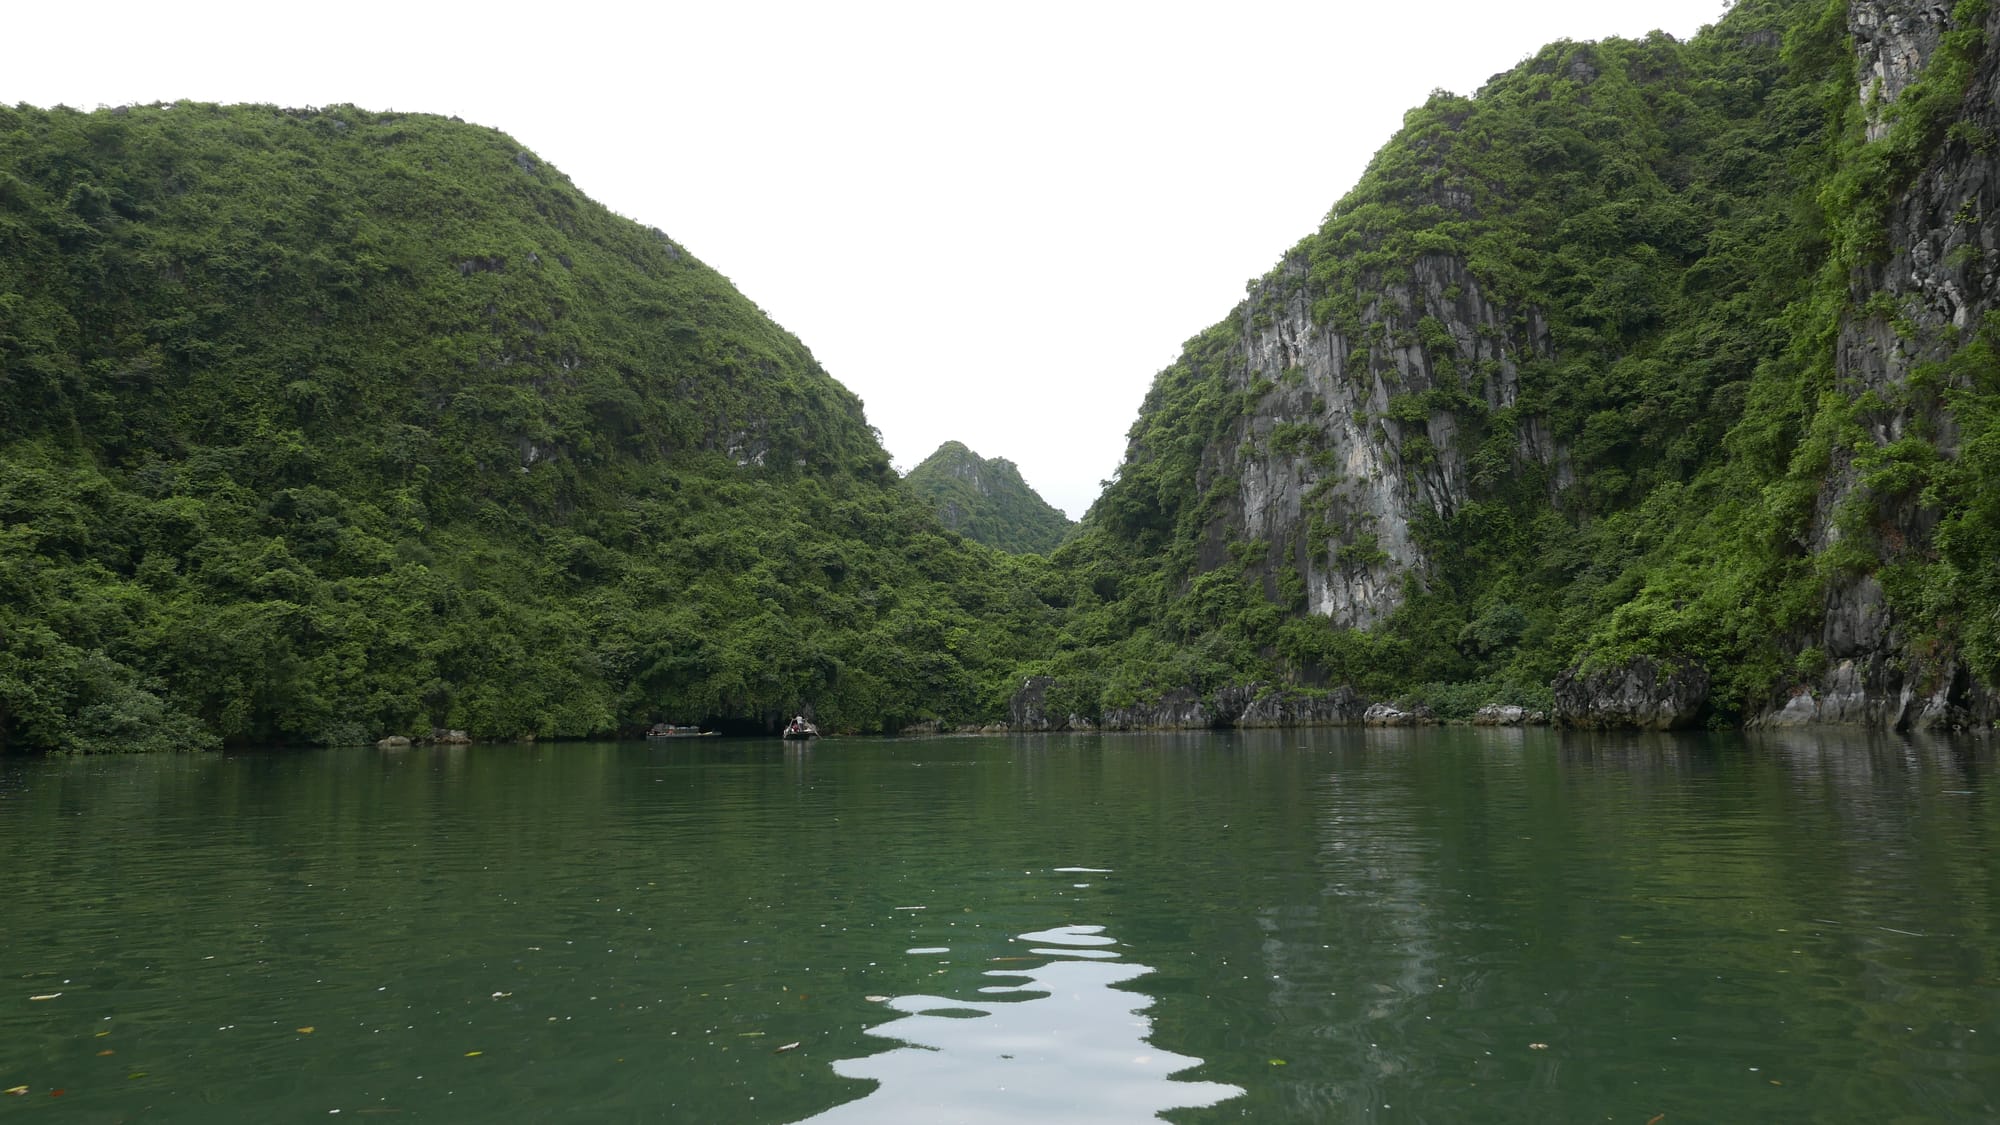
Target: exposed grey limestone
pixel 1245 706
pixel 1500 715
pixel 1388 715
pixel 1642 693
pixel 1800 710
pixel 1892 42
pixel 1176 710
pixel 1028 709
pixel 1940 276
pixel 1267 707
pixel 1369 469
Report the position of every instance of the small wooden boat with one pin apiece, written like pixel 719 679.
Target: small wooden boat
pixel 669 730
pixel 799 728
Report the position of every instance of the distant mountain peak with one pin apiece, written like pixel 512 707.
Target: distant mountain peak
pixel 986 500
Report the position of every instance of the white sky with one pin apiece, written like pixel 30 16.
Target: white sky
pixel 994 222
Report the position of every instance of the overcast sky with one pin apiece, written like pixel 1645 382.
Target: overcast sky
pixel 994 222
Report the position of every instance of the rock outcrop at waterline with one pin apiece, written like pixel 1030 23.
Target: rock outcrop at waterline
pixel 1843 698
pixel 1640 693
pixel 1245 706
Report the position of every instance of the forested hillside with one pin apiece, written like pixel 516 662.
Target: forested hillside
pixel 322 425
pixel 985 500
pixel 1654 383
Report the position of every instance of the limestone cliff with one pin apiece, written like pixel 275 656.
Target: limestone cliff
pixel 1635 387
pixel 1344 453
pixel 1928 292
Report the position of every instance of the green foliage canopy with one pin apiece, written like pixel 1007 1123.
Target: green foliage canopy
pixel 321 425
pixel 985 500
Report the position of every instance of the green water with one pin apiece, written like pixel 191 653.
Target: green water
pixel 1338 925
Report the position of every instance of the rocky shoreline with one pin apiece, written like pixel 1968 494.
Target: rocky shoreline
pixel 1251 706
pixel 1638 694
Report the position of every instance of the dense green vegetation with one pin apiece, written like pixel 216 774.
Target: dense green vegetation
pixel 985 500
pixel 322 425
pixel 1672 231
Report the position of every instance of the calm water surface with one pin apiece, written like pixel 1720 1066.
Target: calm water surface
pixel 1342 925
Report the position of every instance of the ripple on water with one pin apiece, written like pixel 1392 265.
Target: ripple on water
pixel 1071 935
pixel 1069 1046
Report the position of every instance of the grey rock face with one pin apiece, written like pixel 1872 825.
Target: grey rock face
pixel 1245 706
pixel 1499 715
pixel 1029 710
pixel 1176 710
pixel 1389 715
pixel 1249 705
pixel 1941 277
pixel 1640 693
pixel 1364 471
pixel 1892 42
pixel 1877 694
pixel 1264 708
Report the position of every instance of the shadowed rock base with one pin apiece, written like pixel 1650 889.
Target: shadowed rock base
pixel 1640 693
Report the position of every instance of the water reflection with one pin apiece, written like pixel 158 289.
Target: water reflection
pixel 1061 1044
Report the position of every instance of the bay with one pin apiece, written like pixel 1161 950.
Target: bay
pixel 1324 925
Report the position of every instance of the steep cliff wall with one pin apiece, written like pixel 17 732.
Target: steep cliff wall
pixel 1920 302
pixel 1653 384
pixel 1354 437
pixel 1417 436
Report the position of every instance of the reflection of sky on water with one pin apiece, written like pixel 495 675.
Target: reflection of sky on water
pixel 1061 1045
